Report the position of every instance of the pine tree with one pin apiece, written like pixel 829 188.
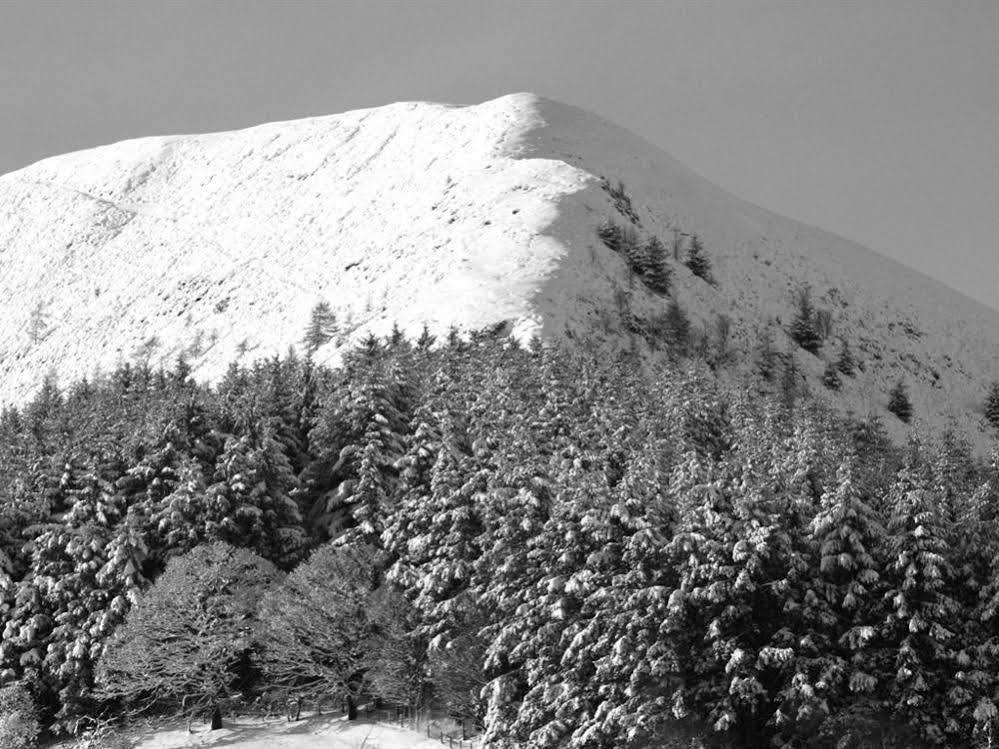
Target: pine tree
pixel 322 327
pixel 803 327
pixel 677 327
pixel 845 362
pixel 657 276
pixel 920 622
pixel 610 234
pixel 831 378
pixel 992 405
pixel 898 402
pixel 637 255
pixel 697 260
pixel 767 359
pixel 847 535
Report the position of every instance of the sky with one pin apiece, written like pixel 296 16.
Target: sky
pixel 876 120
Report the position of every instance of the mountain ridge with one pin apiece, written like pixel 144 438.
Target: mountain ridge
pixel 218 245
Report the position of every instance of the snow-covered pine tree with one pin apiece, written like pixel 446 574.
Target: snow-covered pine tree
pixel 847 535
pixel 249 501
pixel 921 614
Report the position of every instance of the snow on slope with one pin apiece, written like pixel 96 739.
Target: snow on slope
pixel 429 214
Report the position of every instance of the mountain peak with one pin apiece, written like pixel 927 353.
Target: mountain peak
pixel 218 246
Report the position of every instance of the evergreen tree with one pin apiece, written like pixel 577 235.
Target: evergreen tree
pixel 803 328
pixel 845 362
pixel 322 327
pixel 610 234
pixel 992 405
pixel 831 378
pixel 898 402
pixel 677 328
pixel 848 535
pixel 920 622
pixel 697 260
pixel 657 275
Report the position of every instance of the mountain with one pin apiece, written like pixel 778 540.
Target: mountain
pixel 418 214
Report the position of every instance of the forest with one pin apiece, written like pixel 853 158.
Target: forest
pixel 565 549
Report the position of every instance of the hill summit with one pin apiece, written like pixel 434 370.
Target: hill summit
pixel 217 247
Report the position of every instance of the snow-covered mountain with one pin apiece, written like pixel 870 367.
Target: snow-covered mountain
pixel 416 213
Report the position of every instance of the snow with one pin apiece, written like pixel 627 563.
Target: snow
pixel 421 213
pixel 329 733
pixel 309 733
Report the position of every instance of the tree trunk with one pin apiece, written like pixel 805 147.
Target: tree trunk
pixel 217 718
pixel 351 708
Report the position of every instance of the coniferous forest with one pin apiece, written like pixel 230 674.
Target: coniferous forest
pixel 564 550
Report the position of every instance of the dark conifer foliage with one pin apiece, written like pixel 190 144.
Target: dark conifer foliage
pixel 898 402
pixel 845 362
pixel 804 327
pixel 322 327
pixel 647 261
pixel 698 261
pixel 992 405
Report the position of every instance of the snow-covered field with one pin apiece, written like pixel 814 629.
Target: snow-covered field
pixel 429 214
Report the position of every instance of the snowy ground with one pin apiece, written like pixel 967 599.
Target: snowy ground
pixel 429 214
pixel 314 732
pixel 328 733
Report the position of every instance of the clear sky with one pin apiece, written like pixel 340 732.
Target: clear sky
pixel 877 120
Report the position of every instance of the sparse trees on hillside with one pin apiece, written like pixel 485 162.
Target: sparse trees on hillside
pixel 899 403
pixel 645 260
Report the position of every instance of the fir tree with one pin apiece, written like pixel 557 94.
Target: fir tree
pixel 831 378
pixel 697 260
pixel 322 327
pixel 992 405
pixel 677 327
pixel 610 234
pixel 898 402
pixel 803 327
pixel 920 622
pixel 845 362
pixel 657 275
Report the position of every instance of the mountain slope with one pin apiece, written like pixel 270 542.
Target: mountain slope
pixel 428 214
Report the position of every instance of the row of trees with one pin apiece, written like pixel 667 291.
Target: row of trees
pixel 573 552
